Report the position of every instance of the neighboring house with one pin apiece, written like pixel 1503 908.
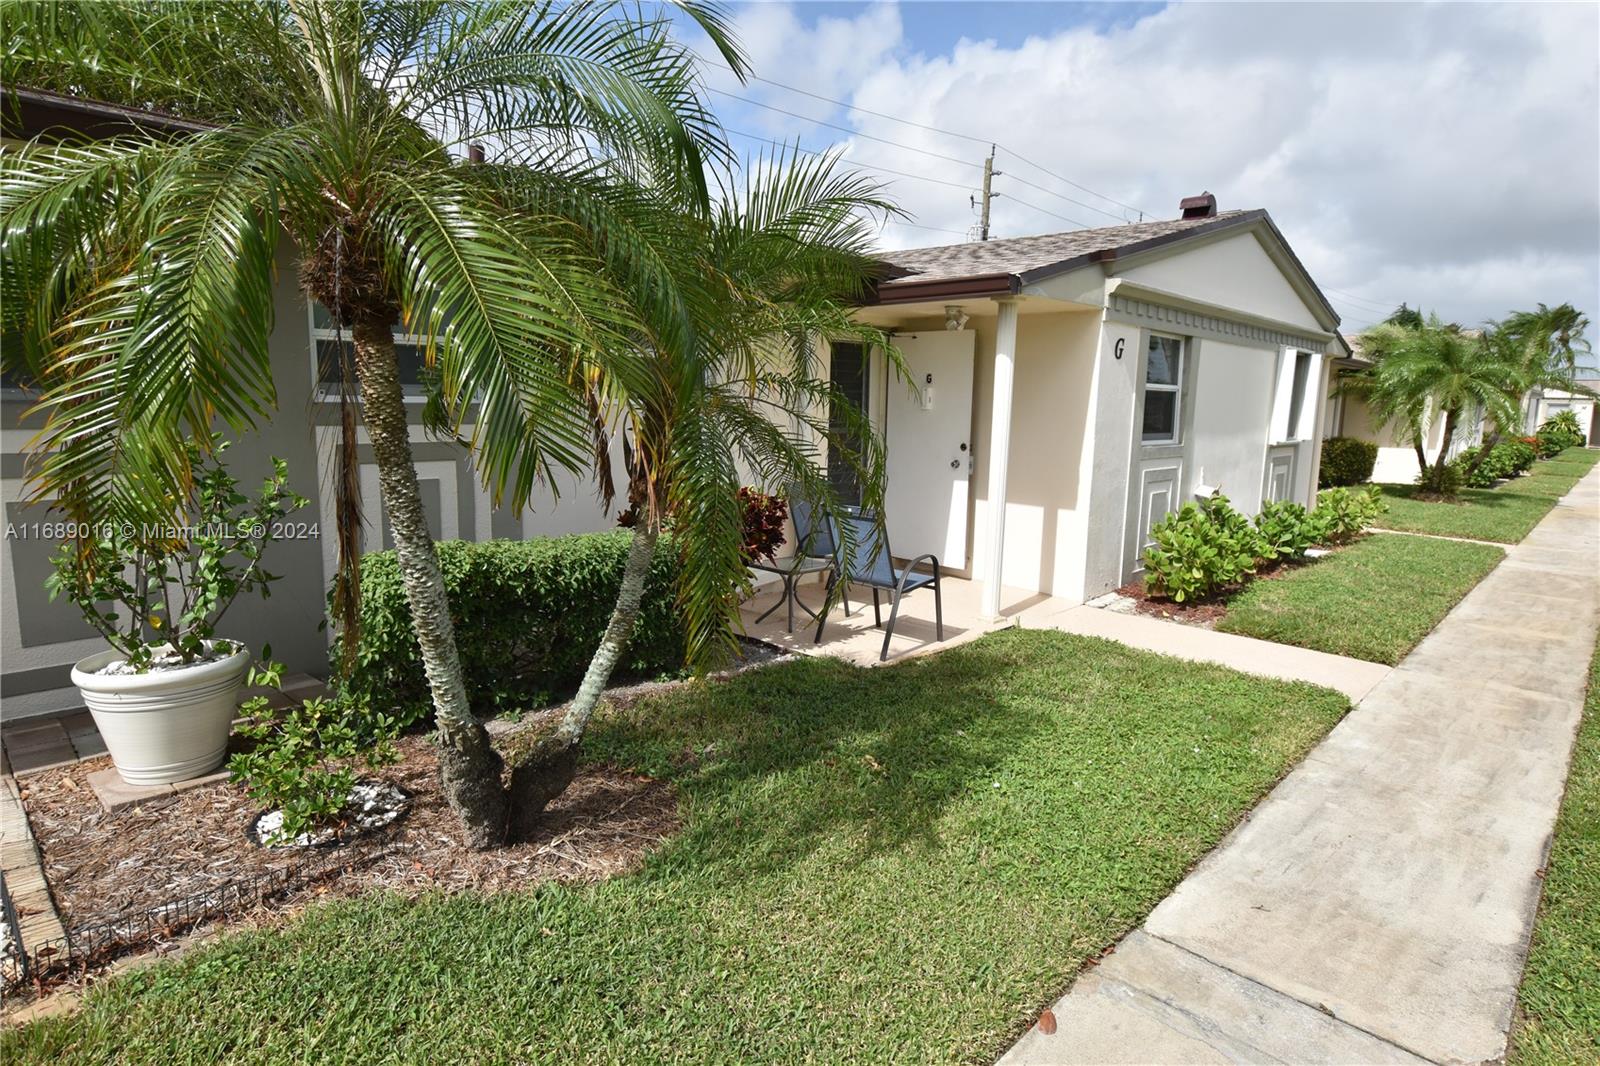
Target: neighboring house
pixel 1349 415
pixel 1071 390
pixel 39 640
pixel 1540 405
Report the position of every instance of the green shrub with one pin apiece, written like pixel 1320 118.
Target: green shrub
pixel 528 615
pixel 1491 469
pixel 1523 452
pixel 1342 514
pixel 1506 459
pixel 1440 479
pixel 1289 529
pixel 1346 461
pixel 1201 550
pixel 305 756
pixel 1559 432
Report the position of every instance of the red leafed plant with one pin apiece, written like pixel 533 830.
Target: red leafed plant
pixel 764 516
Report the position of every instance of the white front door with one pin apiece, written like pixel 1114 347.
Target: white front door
pixel 927 433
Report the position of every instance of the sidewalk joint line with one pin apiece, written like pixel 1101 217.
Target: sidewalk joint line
pixel 1322 1009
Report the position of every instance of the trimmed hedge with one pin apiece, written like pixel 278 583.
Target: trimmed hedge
pixel 1506 459
pixel 528 615
pixel 1346 461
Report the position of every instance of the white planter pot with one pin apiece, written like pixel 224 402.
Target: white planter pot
pixel 166 725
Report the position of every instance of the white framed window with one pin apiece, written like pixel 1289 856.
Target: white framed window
pixel 1297 397
pixel 409 354
pixel 1163 390
pixel 1293 412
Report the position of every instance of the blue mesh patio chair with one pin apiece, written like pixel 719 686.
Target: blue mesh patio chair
pixel 869 562
pixel 813 533
pixel 815 552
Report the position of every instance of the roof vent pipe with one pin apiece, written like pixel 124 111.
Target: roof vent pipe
pixel 1202 206
pixel 474 153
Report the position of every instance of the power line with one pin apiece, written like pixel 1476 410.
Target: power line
pixel 1024 159
pixel 865 166
pixel 900 173
pixel 847 129
pixel 1359 301
pixel 1052 214
pixel 918 225
pixel 921 126
pixel 1070 200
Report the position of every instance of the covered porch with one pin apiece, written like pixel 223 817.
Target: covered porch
pixel 856 639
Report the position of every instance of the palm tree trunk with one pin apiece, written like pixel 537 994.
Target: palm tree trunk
pixel 1485 446
pixel 542 771
pixel 641 552
pixel 1436 479
pixel 469 768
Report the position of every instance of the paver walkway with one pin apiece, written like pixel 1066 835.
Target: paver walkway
pixel 1376 907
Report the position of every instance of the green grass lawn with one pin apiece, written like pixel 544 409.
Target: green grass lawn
pixel 1375 599
pixel 1504 514
pixel 1560 999
pixel 898 864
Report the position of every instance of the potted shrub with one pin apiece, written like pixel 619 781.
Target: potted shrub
pixel 164 695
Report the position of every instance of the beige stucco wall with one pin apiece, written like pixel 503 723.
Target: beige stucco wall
pixel 1232 398
pixel 1046 502
pixel 1233 272
pixel 1046 497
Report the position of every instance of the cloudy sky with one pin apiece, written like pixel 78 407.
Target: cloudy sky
pixel 1444 155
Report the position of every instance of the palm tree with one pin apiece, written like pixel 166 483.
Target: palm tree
pixel 1552 337
pixel 138 271
pixel 1550 341
pixel 1437 370
pixel 1409 317
pixel 776 268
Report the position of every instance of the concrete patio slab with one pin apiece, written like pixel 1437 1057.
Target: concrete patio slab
pixel 1390 883
pixel 857 640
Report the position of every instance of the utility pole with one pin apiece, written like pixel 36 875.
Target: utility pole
pixel 989 174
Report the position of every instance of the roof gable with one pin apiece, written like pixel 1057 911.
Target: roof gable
pixel 1024 256
pixel 993 268
pixel 1234 271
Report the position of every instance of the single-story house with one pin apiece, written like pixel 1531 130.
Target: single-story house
pixel 1349 415
pixel 1541 405
pixel 1067 392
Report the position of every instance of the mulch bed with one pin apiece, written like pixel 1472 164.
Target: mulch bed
pixel 1203 613
pixel 112 867
pixel 104 867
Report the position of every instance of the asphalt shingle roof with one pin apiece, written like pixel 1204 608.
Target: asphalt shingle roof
pixel 1019 255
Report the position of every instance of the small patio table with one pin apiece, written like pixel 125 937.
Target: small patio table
pixel 791 571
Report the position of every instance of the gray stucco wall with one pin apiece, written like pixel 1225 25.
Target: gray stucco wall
pixel 39 641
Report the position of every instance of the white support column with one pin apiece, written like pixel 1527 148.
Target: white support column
pixel 1005 360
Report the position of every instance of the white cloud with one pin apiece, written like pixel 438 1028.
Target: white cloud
pixel 1444 155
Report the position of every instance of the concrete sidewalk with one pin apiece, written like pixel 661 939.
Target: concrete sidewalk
pixel 1353 677
pixel 1377 906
